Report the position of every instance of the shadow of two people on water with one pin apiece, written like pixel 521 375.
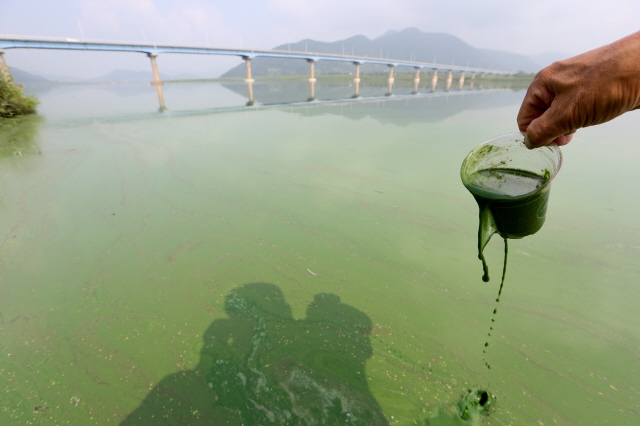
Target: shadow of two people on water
pixel 261 366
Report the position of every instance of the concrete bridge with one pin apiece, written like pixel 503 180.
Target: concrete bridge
pixel 153 50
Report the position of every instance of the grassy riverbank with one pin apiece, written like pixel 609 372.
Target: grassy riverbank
pixel 13 102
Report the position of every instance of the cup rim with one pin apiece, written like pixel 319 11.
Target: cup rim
pixel 553 149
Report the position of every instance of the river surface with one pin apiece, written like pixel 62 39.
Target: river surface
pixel 303 264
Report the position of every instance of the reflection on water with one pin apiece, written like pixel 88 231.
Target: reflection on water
pixel 279 92
pixel 125 244
pixel 84 100
pixel 260 366
pixel 190 99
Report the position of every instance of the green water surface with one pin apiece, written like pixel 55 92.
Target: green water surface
pixel 301 265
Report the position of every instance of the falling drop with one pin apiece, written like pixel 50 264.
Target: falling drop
pixel 495 310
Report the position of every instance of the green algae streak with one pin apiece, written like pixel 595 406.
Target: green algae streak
pixel 513 204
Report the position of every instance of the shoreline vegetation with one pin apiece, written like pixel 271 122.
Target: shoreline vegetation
pixel 13 101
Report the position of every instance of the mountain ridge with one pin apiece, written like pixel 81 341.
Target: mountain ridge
pixel 407 44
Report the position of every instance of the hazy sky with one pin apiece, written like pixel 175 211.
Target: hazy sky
pixel 527 27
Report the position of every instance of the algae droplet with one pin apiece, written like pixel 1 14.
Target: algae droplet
pixel 495 310
pixel 512 203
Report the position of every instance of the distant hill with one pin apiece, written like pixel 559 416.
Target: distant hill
pixel 512 61
pixel 408 44
pixel 125 76
pixel 143 76
pixel 20 76
pixel 545 59
pixel 115 76
pixel 55 78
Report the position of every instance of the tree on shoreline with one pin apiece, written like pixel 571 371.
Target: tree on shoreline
pixel 13 102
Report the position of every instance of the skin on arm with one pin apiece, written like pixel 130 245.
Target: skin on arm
pixel 582 91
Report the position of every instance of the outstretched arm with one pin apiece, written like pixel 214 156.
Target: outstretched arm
pixel 582 91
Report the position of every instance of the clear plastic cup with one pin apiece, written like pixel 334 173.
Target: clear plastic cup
pixel 511 182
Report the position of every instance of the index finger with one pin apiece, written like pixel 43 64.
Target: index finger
pixel 537 100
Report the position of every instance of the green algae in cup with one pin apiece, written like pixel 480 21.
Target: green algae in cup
pixel 511 185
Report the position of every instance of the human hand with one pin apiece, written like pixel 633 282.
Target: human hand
pixel 582 91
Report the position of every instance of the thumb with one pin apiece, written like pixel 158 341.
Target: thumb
pixel 554 122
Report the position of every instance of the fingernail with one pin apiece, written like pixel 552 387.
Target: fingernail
pixel 527 142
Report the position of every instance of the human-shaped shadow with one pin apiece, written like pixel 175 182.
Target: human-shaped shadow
pixel 261 367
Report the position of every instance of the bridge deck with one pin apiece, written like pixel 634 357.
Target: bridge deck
pixel 10 42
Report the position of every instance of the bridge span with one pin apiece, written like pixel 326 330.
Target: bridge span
pixel 153 50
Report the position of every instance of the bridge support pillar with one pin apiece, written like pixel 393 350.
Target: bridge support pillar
pixel 449 80
pixel 356 81
pixel 434 80
pixel 4 70
pixel 156 80
pixel 473 79
pixel 416 80
pixel 390 80
pixel 461 81
pixel 312 80
pixel 249 80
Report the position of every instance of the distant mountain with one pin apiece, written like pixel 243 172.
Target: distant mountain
pixel 55 78
pixel 184 76
pixel 125 76
pixel 408 44
pixel 512 61
pixel 144 76
pixel 113 76
pixel 547 58
pixel 20 76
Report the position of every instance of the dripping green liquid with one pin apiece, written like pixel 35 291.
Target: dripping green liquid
pixel 512 203
pixel 495 311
